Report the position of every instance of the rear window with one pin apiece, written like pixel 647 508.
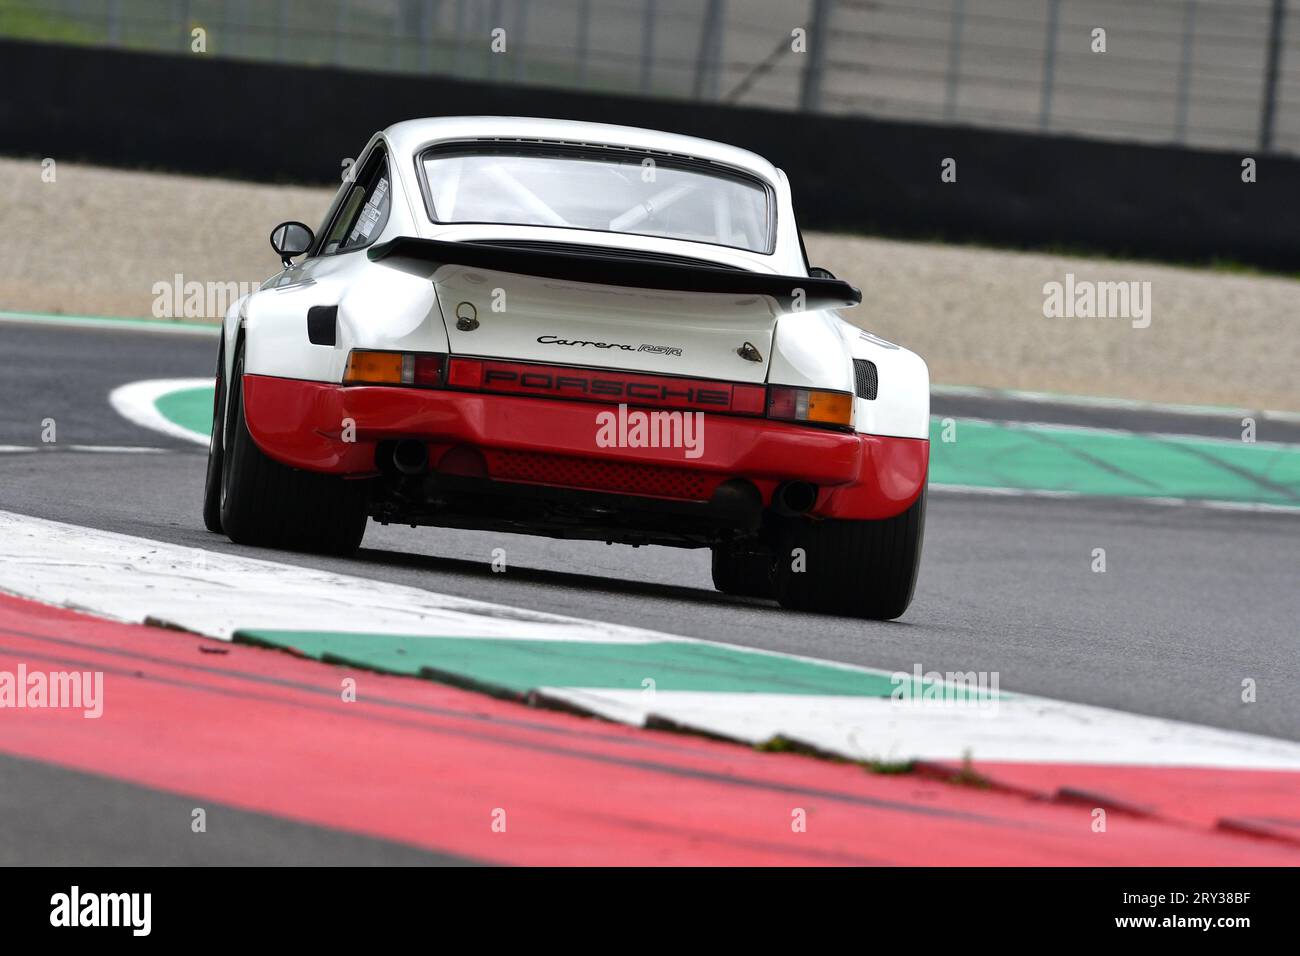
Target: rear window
pixel 602 190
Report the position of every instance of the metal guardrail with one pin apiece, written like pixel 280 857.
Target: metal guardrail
pixel 1215 73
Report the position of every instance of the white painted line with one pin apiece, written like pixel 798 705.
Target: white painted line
pixel 138 402
pixel 136 579
pixel 1249 506
pixel 109 322
pixel 1008 492
pixel 998 492
pixel 116 449
pixel 1089 430
pixel 92 449
pixel 1097 401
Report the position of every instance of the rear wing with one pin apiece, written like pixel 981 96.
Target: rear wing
pixel 423 257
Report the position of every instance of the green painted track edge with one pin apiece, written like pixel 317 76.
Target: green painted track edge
pixel 112 321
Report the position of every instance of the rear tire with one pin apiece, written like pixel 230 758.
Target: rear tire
pixel 212 485
pixel 742 573
pixel 271 505
pixel 857 568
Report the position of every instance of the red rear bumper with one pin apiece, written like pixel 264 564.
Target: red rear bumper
pixel 552 442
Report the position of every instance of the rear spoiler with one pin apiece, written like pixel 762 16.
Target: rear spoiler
pixel 423 257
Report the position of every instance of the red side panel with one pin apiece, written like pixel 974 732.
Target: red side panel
pixel 890 478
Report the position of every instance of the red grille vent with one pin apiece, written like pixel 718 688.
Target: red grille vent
pixel 659 481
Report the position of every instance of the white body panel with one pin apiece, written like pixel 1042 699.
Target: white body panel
pixel 577 323
pixel 384 308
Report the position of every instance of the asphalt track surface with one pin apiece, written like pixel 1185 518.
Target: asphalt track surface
pixel 61 817
pixel 1193 602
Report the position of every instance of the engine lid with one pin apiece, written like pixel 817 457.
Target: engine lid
pixel 505 315
pixel 570 309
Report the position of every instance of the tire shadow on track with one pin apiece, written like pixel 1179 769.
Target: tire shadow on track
pixel 589 584
pixel 459 567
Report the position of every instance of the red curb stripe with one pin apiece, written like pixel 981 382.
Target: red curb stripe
pixel 1197 796
pixel 425 765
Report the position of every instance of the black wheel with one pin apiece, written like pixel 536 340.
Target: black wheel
pixel 858 568
pixel 742 573
pixel 272 505
pixel 212 485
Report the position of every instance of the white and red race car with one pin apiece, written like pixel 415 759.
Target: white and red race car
pixel 576 330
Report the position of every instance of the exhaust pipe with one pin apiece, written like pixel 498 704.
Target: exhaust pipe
pixel 794 498
pixel 411 457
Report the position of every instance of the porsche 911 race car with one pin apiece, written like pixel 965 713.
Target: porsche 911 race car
pixel 576 330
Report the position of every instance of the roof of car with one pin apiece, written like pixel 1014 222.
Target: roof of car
pixel 411 136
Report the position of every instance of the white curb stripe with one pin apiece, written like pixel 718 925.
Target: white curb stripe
pixel 208 592
pixel 136 580
pixel 138 402
pixel 1016 729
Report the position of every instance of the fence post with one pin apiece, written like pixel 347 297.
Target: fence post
pixel 954 59
pixel 183 24
pixel 647 44
pixel 517 38
pixel 584 18
pixel 1049 63
pixel 234 27
pixel 281 27
pixel 1269 110
pixel 401 10
pixel 494 59
pixel 427 16
pixel 1185 72
pixel 458 53
pixel 115 22
pixel 481 33
pixel 810 93
pixel 706 60
pixel 340 31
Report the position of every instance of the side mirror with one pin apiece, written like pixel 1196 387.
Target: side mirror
pixel 291 239
pixel 817 272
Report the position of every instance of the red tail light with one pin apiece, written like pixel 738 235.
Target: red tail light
pixel 810 405
pixel 368 367
pixel 465 373
pixel 605 386
pixel 435 370
pixel 428 370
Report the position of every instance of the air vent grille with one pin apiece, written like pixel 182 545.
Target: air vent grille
pixel 865 382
